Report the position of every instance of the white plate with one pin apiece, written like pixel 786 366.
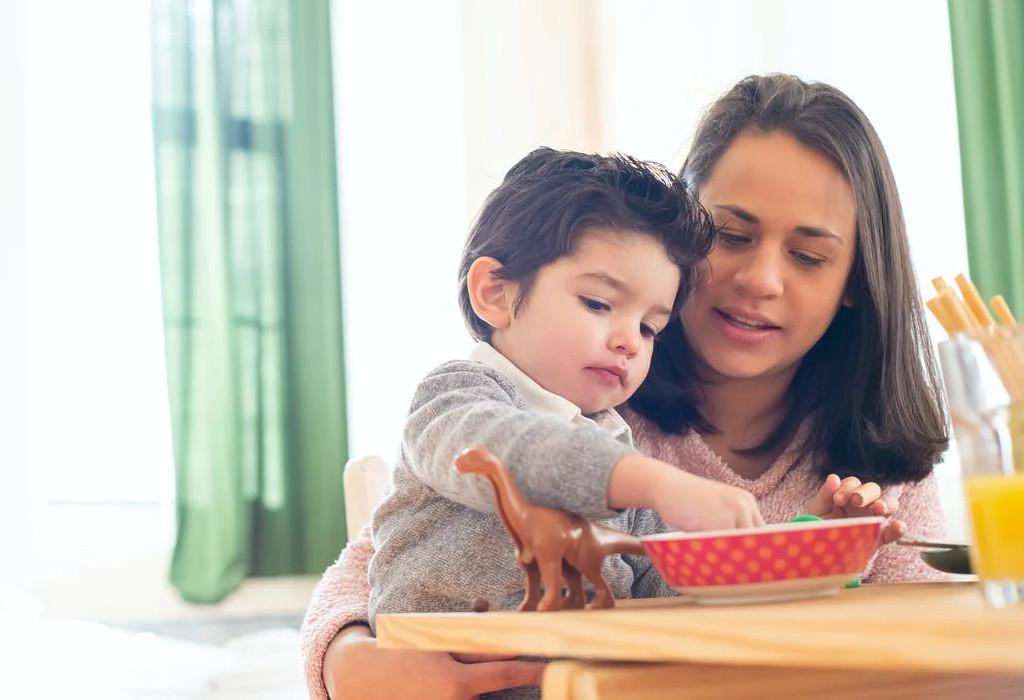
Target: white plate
pixel 766 592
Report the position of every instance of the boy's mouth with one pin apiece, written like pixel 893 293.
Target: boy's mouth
pixel 610 375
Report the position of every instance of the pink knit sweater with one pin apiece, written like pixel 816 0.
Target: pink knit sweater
pixel 781 492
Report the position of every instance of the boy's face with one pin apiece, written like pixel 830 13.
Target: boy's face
pixel 586 328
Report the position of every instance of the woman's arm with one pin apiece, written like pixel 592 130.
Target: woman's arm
pixel 355 669
pixel 919 507
pixel 339 599
pixel 342 660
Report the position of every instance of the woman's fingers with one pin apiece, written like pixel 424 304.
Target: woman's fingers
pixel 883 506
pixel 846 487
pixel 486 677
pixel 865 494
pixel 893 530
pixel 821 503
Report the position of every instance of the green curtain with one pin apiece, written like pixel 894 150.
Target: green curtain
pixel 249 251
pixel 988 61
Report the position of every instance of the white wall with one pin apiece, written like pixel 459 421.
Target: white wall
pixel 13 315
pixel 398 104
pixel 661 67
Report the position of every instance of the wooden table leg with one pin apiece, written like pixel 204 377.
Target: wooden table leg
pixel 579 680
pixel 558 679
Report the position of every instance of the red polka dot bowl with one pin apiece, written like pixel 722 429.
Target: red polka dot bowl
pixel 768 563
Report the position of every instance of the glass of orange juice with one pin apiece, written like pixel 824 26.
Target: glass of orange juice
pixel 984 378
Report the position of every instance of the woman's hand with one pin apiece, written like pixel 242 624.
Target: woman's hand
pixel 355 669
pixel 849 498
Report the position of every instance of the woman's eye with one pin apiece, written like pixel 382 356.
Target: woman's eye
pixel 594 304
pixel 808 260
pixel 647 330
pixel 732 240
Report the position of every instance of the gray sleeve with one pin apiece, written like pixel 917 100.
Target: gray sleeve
pixel 647 582
pixel 556 463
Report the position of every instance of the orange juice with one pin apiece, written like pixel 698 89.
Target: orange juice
pixel 995 506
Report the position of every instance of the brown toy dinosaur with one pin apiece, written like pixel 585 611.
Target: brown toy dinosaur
pixel 551 546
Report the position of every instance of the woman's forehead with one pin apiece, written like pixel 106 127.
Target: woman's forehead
pixel 779 181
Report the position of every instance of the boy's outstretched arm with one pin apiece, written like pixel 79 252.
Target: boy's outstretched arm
pixel 682 500
pixel 556 463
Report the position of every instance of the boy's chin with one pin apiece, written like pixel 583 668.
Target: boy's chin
pixel 589 408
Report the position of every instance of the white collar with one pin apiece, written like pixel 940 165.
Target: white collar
pixel 541 400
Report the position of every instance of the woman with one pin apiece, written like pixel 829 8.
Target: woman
pixel 802 353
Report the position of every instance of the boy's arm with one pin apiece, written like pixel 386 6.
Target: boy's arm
pixel 555 463
pixel 647 582
pixel 339 599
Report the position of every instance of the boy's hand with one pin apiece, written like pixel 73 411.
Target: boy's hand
pixel 355 669
pixel 849 498
pixel 689 502
pixel 684 501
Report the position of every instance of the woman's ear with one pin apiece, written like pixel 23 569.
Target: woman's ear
pixel 491 297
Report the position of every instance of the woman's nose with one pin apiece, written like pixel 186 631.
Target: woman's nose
pixel 760 275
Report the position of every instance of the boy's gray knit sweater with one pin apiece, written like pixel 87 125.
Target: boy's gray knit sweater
pixel 438 539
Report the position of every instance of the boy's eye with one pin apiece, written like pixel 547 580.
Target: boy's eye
pixel 595 304
pixel 808 260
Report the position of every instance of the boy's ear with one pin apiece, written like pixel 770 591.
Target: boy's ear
pixel 490 296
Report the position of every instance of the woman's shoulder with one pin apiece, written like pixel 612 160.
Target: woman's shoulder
pixel 655 442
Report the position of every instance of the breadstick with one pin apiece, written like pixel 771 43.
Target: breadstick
pixel 1002 310
pixel 959 317
pixel 973 301
pixel 935 306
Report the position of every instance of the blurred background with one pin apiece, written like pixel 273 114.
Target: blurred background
pixel 228 241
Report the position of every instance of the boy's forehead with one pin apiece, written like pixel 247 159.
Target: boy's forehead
pixel 628 281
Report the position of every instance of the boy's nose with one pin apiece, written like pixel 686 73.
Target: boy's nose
pixel 625 341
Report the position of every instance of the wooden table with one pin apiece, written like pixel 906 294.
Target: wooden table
pixel 916 640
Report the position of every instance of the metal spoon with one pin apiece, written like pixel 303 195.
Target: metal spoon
pixel 910 542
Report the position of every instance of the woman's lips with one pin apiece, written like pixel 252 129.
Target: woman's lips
pixel 735 329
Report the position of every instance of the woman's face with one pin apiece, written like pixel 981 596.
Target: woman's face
pixel 777 275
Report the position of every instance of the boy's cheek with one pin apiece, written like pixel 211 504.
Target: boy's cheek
pixel 638 376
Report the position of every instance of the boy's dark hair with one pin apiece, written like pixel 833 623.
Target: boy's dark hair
pixel 550 198
pixel 869 386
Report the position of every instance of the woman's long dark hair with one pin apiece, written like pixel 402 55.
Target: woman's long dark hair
pixel 868 390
